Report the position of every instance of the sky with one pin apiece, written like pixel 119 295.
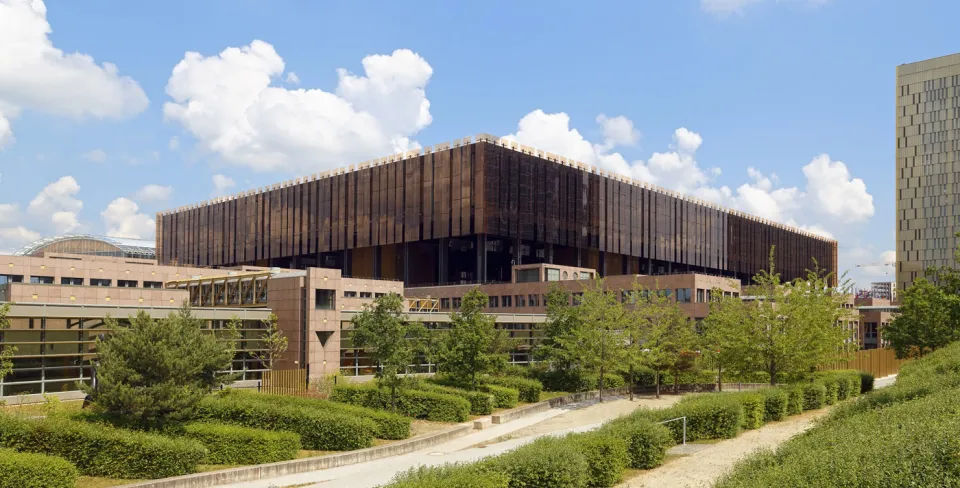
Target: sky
pixel 112 111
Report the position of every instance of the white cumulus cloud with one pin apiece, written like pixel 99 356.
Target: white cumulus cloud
pixel 36 75
pixel 122 218
pixel 57 203
pixel 153 193
pixel 229 103
pixel 97 156
pixel 222 185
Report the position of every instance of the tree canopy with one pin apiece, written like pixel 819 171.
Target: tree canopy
pixel 389 337
pixel 6 352
pixel 927 320
pixel 473 345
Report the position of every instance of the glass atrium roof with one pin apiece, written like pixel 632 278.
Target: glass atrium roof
pixel 91 244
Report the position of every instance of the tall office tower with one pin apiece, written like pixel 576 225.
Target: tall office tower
pixel 928 165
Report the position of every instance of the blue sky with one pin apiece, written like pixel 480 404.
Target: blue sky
pixel 782 108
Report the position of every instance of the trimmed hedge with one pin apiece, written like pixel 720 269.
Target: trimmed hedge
pixel 794 399
pixel 776 403
pixel 101 450
pixel 607 457
pixel 26 470
pixel 866 382
pixel 753 408
pixel 233 444
pixel 460 475
pixel 529 389
pixel 481 402
pixel 427 405
pixel 390 426
pixel 814 396
pixel 319 430
pixel 545 462
pixel 503 397
pixel 709 416
pixel 574 381
pixel 647 441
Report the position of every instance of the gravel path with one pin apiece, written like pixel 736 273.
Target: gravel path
pixel 702 468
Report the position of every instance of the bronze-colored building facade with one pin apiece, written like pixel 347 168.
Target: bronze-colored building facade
pixel 467 211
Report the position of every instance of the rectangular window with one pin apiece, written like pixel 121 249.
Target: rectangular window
pixel 71 281
pixel 366 294
pixel 378 295
pixel 700 295
pixel 493 302
pixel 519 300
pixel 127 283
pixel 528 275
pixel 553 274
pixel 534 300
pixel 349 294
pixel 506 299
pixel 325 300
pixel 153 284
pixel 41 280
pixel 577 298
pixel 455 302
pixel 444 304
pixel 683 295
pixel 100 282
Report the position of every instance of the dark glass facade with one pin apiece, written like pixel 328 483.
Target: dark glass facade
pixel 467 213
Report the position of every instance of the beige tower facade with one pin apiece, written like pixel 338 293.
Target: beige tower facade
pixel 928 165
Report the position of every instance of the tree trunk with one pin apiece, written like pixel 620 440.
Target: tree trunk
pixel 657 375
pixel 632 383
pixel 719 377
pixel 676 382
pixel 601 383
pixel 773 373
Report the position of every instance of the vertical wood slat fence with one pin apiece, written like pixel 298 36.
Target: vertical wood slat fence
pixel 284 382
pixel 878 362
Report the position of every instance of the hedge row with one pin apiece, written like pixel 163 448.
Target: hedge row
pixel 102 450
pixel 529 389
pixel 503 397
pixel 481 402
pixel 905 435
pixel 26 470
pixel 426 405
pixel 318 429
pixel 233 444
pixel 390 426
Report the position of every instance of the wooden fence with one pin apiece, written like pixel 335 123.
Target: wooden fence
pixel 284 382
pixel 878 362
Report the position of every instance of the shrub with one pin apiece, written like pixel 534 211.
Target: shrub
pixel 25 470
pixel 389 425
pixel 606 457
pixel 529 389
pixel 545 462
pixel 481 402
pixel 753 408
pixel 776 404
pixel 232 444
pixel 795 400
pixel 814 396
pixel 503 397
pixel 426 405
pixel 320 430
pixel 866 382
pixel 647 441
pixel 831 387
pixel 574 381
pixel 518 371
pixel 709 416
pixel 477 475
pixel 102 450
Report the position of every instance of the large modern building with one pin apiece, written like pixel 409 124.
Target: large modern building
pixel 928 165
pixel 467 212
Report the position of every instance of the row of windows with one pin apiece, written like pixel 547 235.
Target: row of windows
pixel 362 294
pixel 70 281
pixel 683 295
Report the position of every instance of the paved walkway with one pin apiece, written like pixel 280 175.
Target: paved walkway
pixel 706 462
pixel 494 440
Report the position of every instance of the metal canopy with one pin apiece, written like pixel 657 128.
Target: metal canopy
pixel 125 247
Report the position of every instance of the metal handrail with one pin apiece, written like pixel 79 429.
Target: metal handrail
pixel 684 426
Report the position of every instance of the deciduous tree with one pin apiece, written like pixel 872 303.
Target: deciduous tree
pixel 389 338
pixel 6 352
pixel 665 330
pixel 599 342
pixel 925 322
pixel 273 343
pixel 473 345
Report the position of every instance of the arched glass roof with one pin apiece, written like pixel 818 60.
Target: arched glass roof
pixel 91 244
